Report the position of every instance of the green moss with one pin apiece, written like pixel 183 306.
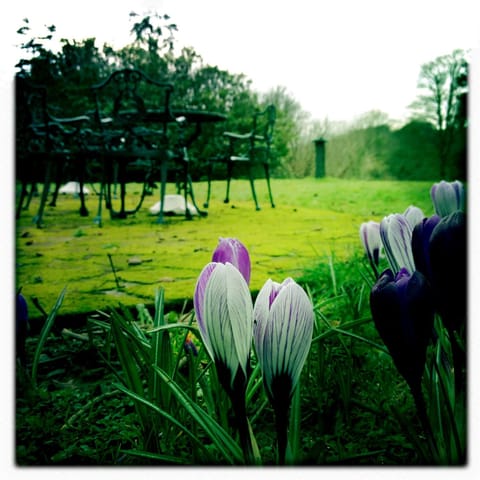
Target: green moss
pixel 313 218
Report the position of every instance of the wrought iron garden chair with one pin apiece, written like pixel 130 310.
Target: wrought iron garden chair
pixel 45 145
pixel 251 149
pixel 132 116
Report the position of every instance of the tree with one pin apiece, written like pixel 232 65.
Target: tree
pixel 289 127
pixel 442 101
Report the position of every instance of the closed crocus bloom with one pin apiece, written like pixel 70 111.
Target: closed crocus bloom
pixel 421 244
pixel 448 197
pixel 372 243
pixel 396 235
pixel 448 260
pixel 283 327
pixel 414 215
pixel 224 312
pixel 402 309
pixel 233 251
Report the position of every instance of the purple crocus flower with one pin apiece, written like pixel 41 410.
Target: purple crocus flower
pixel 448 260
pixel 447 197
pixel 233 251
pixel 224 312
pixel 21 328
pixel 421 244
pixel 396 235
pixel 372 243
pixel 402 309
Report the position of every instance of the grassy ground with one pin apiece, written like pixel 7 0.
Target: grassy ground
pixel 352 397
pixel 313 218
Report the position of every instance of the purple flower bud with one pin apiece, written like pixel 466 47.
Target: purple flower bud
pixel 421 244
pixel 396 235
pixel 402 310
pixel 283 327
pixel 189 346
pixel 447 197
pixel 448 260
pixel 21 328
pixel 233 251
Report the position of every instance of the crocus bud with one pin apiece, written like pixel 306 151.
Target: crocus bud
pixel 447 197
pixel 402 309
pixel 189 345
pixel 224 312
pixel 413 215
pixel 372 243
pixel 396 235
pixel 233 251
pixel 21 328
pixel 421 244
pixel 448 260
pixel 283 327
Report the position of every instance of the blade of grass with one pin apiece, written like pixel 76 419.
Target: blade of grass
pixel 44 335
pixel 156 456
pixel 161 350
pixel 223 441
pixel 167 416
pixel 129 366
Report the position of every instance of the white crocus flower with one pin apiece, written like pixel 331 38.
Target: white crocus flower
pixel 224 311
pixel 283 327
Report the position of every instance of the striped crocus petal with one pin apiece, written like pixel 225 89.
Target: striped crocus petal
pixel 198 301
pixel 233 251
pixel 283 335
pixel 371 241
pixel 414 215
pixel 447 197
pixel 261 312
pixel 228 317
pixel 396 235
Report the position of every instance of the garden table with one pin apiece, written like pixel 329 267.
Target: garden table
pixel 183 119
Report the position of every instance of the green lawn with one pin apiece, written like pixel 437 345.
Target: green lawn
pixel 354 406
pixel 313 218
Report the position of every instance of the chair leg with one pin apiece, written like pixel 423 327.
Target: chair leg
pixel 58 180
pixel 31 193
pixel 102 194
pixel 23 194
pixel 163 188
pixel 37 219
pixel 267 176
pixel 229 178
pixel 81 182
pixel 250 176
pixel 209 184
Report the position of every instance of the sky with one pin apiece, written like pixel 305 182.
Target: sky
pixel 337 58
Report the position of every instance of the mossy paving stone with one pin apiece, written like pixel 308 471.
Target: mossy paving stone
pixel 72 251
